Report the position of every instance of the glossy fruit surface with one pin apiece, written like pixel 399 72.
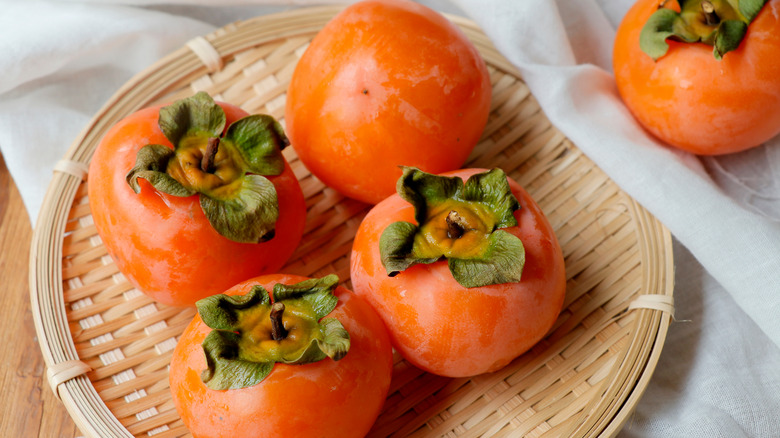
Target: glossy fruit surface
pixel 164 244
pixel 690 99
pixel 339 399
pixel 445 328
pixel 386 83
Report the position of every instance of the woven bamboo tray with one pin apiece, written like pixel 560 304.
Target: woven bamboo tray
pixel 107 346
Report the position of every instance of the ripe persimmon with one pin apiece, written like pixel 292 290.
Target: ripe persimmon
pixel 386 83
pixel 704 80
pixel 180 225
pixel 465 276
pixel 246 375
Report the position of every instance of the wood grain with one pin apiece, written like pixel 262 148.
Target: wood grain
pixel 29 408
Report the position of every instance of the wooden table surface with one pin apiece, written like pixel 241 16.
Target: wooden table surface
pixel 29 408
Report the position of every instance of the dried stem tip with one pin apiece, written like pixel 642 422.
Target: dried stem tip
pixel 207 162
pixel 278 332
pixel 710 17
pixel 455 225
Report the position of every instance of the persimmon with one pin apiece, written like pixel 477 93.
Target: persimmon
pixel 386 83
pixel 320 367
pixel 466 276
pixel 701 75
pixel 193 197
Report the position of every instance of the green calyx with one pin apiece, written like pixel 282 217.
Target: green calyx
pixel 227 171
pixel 719 23
pixel 460 222
pixel 250 333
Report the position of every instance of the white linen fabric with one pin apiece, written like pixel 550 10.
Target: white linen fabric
pixel 719 374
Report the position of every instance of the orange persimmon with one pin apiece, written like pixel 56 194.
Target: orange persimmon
pixel 231 392
pixel 386 83
pixel 686 96
pixel 464 282
pixel 165 243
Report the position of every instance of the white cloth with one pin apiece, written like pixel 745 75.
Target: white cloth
pixel 719 374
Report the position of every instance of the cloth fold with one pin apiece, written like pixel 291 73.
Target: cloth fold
pixel 719 374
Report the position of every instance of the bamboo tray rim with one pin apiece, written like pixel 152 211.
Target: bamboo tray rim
pixel 77 392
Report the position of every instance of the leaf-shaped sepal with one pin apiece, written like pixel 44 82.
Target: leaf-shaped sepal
pixel 224 367
pixel 249 214
pixel 659 27
pixel 197 115
pixel 316 293
pixel 335 342
pixel 750 8
pixel 397 248
pixel 502 263
pixel 422 189
pixel 260 140
pixel 151 162
pixel 492 189
pixel 239 352
pixel 223 312
pixel 729 36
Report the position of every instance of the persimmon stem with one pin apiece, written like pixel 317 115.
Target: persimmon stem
pixel 207 162
pixel 278 332
pixel 710 17
pixel 455 225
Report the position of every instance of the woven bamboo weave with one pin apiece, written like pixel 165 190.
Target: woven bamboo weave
pixel 583 379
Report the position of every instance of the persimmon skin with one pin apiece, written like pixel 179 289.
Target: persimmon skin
pixel 322 399
pixel 691 100
pixel 163 244
pixel 386 83
pixel 444 328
